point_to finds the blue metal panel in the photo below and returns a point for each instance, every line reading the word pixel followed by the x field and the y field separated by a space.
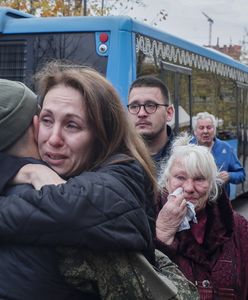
pixel 7 14
pixel 66 24
pixel 181 43
pixel 119 69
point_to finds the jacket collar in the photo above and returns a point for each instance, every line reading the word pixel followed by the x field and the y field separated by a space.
pixel 218 230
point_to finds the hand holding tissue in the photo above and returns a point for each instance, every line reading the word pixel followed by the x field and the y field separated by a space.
pixel 190 215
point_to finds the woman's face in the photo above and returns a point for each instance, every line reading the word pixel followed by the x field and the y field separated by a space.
pixel 65 138
pixel 195 189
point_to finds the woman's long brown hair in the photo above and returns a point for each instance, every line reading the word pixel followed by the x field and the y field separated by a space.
pixel 106 115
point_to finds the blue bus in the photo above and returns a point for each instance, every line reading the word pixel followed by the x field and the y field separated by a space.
pixel 122 49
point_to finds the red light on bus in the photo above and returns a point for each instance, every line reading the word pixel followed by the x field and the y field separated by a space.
pixel 103 37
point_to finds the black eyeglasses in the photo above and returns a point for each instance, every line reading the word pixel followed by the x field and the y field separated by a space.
pixel 149 107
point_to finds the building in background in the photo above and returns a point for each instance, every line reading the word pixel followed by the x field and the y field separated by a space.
pixel 238 52
pixel 232 50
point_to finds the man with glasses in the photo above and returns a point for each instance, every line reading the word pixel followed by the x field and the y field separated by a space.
pixel 149 110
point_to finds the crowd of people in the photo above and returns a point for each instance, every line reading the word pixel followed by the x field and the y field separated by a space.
pixel 102 203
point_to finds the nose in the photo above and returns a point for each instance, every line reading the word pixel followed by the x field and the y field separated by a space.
pixel 205 129
pixel 142 112
pixel 188 186
pixel 56 136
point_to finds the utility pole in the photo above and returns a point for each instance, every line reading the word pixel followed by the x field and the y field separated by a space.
pixel 85 7
pixel 211 21
pixel 102 9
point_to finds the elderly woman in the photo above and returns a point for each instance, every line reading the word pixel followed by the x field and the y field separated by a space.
pixel 210 246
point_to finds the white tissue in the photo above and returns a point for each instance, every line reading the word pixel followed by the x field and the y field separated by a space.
pixel 190 216
pixel 177 192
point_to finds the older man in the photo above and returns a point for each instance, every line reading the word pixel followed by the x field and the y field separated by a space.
pixel 204 126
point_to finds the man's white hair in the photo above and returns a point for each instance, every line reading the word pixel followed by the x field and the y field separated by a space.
pixel 202 116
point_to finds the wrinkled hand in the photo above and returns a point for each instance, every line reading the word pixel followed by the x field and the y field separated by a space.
pixel 170 217
pixel 224 176
pixel 37 175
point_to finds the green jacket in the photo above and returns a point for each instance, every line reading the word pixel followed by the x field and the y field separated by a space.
pixel 122 276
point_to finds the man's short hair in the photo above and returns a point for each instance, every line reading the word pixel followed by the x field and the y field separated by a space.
pixel 152 81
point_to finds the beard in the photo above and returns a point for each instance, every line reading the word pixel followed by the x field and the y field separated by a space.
pixel 149 137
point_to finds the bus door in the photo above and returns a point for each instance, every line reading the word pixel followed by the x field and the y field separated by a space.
pixel 178 81
pixel 242 129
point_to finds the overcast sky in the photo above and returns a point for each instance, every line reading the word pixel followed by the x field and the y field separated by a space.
pixel 185 19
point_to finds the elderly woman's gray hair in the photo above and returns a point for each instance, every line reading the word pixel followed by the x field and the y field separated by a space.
pixel 197 160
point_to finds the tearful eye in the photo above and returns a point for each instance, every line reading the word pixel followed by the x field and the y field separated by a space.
pixel 180 178
pixel 72 125
pixel 45 120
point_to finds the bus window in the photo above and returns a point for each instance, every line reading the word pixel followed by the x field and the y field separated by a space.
pixel 24 55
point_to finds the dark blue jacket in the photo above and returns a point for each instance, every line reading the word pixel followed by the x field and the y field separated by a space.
pixel 163 153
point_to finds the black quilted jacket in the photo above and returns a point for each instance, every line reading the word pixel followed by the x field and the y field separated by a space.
pixel 108 209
